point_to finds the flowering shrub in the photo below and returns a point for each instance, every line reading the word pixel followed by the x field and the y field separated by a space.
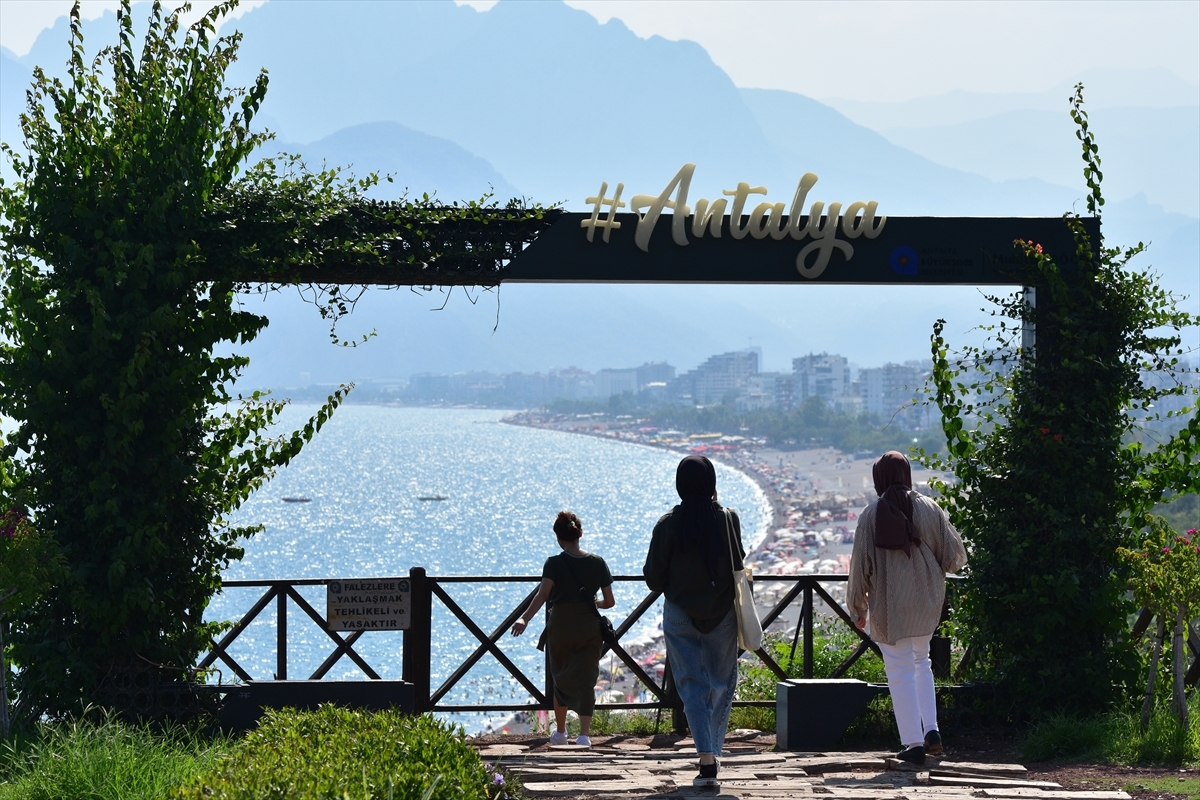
pixel 1165 578
pixel 1165 570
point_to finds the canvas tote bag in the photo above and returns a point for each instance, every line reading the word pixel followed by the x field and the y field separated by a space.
pixel 750 632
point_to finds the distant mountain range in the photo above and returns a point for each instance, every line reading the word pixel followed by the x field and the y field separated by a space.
pixel 539 100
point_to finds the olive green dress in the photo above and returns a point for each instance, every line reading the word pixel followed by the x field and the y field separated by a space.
pixel 573 631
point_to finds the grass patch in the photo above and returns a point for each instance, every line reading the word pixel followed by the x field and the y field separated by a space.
pixel 758 719
pixel 350 755
pixel 1116 737
pixel 105 760
pixel 1188 786
pixel 633 723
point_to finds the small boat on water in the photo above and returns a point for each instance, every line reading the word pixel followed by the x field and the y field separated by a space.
pixel 296 500
pixel 433 498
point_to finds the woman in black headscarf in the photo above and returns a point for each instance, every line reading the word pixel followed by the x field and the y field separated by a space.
pixel 689 562
pixel 903 548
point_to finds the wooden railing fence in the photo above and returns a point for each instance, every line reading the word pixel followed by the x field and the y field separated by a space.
pixel 418 655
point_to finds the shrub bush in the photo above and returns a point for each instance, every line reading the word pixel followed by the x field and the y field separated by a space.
pixel 355 755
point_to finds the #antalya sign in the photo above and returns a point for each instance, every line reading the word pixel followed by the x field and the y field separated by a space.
pixel 766 220
pixel 743 237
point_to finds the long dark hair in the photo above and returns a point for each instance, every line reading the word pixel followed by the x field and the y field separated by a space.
pixel 698 524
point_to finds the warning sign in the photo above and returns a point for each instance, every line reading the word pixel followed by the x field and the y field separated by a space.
pixel 368 604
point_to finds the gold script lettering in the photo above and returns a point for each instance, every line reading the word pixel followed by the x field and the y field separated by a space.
pixel 654 207
pixel 859 219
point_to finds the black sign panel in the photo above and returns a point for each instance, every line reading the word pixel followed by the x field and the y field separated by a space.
pixel 976 251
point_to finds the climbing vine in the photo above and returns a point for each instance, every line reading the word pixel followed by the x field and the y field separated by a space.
pixel 1048 482
pixel 125 238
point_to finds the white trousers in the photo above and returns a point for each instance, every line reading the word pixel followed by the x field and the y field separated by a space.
pixel 910 680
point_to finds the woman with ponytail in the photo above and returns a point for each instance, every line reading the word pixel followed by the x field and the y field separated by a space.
pixel 570 581
pixel 690 563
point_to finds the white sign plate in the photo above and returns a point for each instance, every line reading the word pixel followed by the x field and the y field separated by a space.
pixel 368 604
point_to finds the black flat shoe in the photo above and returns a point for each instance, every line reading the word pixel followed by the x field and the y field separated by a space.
pixel 913 755
pixel 933 743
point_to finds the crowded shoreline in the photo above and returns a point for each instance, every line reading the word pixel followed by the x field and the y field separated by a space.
pixel 815 496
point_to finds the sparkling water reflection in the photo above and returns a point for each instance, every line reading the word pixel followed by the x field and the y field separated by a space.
pixel 364 475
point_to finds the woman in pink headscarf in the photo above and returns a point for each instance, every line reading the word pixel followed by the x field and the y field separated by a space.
pixel 903 548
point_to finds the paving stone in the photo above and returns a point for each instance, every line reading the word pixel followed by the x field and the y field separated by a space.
pixel 563 773
pixel 1020 794
pixel 990 783
pixel 816 765
pixel 860 778
pixel 570 788
pixel 502 750
pixel 858 792
pixel 737 786
pixel 1014 770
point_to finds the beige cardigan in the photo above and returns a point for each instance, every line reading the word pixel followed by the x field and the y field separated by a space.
pixel 904 594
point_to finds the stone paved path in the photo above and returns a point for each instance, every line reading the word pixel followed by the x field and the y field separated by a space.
pixel 628 771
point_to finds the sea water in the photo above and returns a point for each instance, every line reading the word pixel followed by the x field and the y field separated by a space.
pixel 364 475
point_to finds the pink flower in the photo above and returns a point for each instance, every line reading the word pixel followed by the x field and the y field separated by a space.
pixel 1166 549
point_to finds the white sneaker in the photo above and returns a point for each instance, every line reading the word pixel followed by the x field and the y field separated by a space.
pixel 583 741
pixel 558 737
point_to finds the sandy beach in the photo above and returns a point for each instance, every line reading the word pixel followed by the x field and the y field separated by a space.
pixel 815 495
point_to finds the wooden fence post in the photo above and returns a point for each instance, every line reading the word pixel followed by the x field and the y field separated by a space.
pixel 678 717
pixel 281 636
pixel 418 640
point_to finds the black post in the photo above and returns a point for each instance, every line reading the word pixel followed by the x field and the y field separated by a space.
pixel 807 613
pixel 281 635
pixel 678 717
pixel 546 657
pixel 418 640
pixel 939 646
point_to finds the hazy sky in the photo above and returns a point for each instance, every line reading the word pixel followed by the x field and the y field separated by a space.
pixel 862 50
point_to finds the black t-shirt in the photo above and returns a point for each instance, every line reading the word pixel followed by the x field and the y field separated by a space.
pixel 570 572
